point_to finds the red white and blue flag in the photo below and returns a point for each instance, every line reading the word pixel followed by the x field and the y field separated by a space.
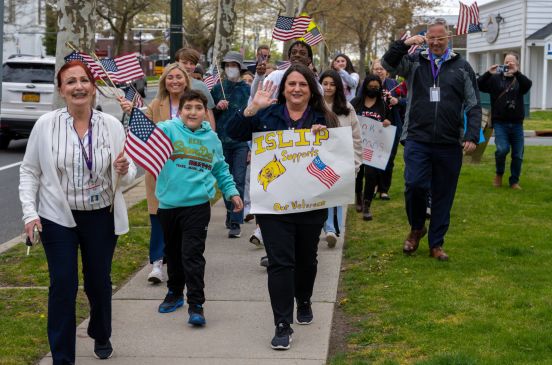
pixel 313 37
pixel 134 96
pixel 124 68
pixel 146 144
pixel 287 28
pixel 96 69
pixel 468 19
pixel 284 65
pixel 212 79
pixel 322 172
pixel 367 154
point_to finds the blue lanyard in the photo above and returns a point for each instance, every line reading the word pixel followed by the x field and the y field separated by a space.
pixel 171 109
pixel 435 69
pixel 300 121
pixel 88 158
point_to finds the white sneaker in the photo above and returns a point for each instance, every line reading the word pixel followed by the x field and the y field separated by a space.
pixel 331 238
pixel 156 275
pixel 256 238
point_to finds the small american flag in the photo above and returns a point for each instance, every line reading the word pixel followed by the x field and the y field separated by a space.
pixel 134 96
pixel 367 154
pixel 212 79
pixel 146 144
pixel 96 69
pixel 313 37
pixel 322 172
pixel 413 47
pixel 287 28
pixel 468 19
pixel 124 68
pixel 284 65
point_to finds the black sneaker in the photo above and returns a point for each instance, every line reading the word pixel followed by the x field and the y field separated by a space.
pixel 304 313
pixel 103 351
pixel 282 337
pixel 227 222
pixel 171 303
pixel 196 315
pixel 264 261
pixel 234 231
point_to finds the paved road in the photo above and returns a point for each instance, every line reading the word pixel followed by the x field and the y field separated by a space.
pixel 10 159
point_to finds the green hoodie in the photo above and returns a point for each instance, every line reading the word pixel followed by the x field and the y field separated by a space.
pixel 188 176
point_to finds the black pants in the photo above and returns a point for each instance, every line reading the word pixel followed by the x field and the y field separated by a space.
pixel 185 232
pixel 292 250
pixel 431 170
pixel 385 178
pixel 371 176
pixel 94 234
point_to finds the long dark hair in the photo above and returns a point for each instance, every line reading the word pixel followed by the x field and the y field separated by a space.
pixel 358 102
pixel 339 105
pixel 316 101
pixel 348 66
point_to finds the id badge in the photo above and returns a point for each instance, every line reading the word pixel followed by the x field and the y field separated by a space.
pixel 434 94
pixel 94 192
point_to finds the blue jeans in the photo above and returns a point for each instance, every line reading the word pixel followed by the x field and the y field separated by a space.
pixel 329 224
pixel 236 158
pixel 506 135
pixel 157 243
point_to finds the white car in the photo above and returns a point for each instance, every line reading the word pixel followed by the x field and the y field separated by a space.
pixel 27 93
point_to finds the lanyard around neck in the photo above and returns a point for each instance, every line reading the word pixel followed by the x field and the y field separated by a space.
pixel 436 68
pixel 88 158
pixel 299 122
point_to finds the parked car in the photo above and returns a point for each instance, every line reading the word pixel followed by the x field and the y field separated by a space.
pixel 27 93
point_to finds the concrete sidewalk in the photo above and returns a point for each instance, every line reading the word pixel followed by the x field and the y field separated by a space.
pixel 239 318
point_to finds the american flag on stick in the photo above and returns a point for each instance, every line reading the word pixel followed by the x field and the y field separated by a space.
pixel 132 95
pixel 287 28
pixel 468 19
pixel 124 68
pixel 212 79
pixel 284 65
pixel 146 144
pixel 413 47
pixel 313 37
pixel 322 172
pixel 96 69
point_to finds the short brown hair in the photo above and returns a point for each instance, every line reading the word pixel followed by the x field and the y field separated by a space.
pixel 192 95
pixel 188 54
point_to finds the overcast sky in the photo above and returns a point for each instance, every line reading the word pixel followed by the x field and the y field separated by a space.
pixel 451 6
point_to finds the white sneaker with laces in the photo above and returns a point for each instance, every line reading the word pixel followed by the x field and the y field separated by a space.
pixel 156 275
pixel 256 238
pixel 331 238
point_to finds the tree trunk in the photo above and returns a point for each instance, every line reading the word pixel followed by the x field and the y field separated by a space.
pixel 119 41
pixel 362 44
pixel 226 20
pixel 75 23
pixel 290 11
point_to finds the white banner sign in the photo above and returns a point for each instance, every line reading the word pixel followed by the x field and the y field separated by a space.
pixel 377 142
pixel 296 171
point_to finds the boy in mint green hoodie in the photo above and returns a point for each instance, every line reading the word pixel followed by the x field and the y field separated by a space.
pixel 184 187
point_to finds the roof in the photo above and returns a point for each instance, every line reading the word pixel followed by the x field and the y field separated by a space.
pixel 542 33
pixel 30 59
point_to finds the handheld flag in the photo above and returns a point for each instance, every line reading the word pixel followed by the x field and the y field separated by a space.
pixel 96 69
pixel 313 37
pixel 132 95
pixel 124 68
pixel 212 79
pixel 468 19
pixel 284 65
pixel 146 144
pixel 287 28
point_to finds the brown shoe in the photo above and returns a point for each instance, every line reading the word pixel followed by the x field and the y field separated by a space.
pixel 413 240
pixel 358 204
pixel 515 186
pixel 497 181
pixel 438 253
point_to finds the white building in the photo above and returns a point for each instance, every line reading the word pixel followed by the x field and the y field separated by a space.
pixel 24 27
pixel 522 26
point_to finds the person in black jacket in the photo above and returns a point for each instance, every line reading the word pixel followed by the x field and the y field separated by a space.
pixel 441 87
pixel 507 112
pixel 291 240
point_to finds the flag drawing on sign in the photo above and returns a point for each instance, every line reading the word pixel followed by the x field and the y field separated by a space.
pixel 270 172
pixel 92 65
pixel 146 144
pixel 284 65
pixel 323 172
pixel 468 19
pixel 287 28
pixel 212 79
pixel 313 37
pixel 124 68
pixel 132 95
pixel 367 154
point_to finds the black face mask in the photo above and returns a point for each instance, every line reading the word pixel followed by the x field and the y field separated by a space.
pixel 373 93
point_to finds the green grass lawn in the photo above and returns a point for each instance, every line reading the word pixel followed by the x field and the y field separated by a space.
pixel 490 304
pixel 540 120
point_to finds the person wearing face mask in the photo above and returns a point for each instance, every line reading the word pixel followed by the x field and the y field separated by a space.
pixel 371 104
pixel 230 96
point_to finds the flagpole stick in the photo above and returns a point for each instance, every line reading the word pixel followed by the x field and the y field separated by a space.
pixel 220 78
pixel 96 58
pixel 118 175
pixel 272 38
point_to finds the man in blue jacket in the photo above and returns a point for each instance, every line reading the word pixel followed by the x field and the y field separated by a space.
pixel 441 86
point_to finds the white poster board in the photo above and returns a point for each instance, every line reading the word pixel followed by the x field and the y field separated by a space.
pixel 377 142
pixel 295 171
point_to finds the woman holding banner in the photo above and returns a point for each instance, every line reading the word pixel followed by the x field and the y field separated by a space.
pixel 335 100
pixel 172 84
pixel 371 104
pixel 291 240
pixel 68 192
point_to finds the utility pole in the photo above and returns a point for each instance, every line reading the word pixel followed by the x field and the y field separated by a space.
pixel 1 45
pixel 176 28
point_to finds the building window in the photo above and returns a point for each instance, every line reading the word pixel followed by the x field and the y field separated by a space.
pixel 9 11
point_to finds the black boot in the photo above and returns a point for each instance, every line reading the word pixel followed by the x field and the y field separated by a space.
pixel 366 215
pixel 358 204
